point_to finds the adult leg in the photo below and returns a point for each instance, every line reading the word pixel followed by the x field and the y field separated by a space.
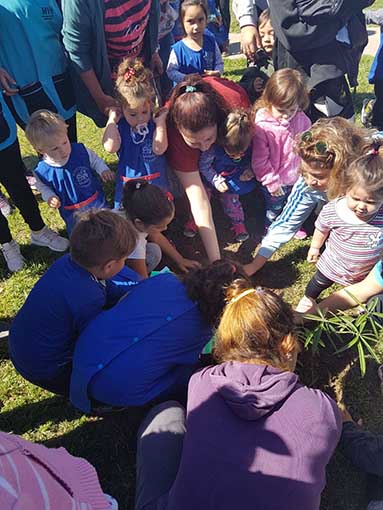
pixel 159 450
pixel 72 129
pixel 12 177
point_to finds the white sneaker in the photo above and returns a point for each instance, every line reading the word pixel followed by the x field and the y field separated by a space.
pixel 50 239
pixel 5 206
pixel 12 255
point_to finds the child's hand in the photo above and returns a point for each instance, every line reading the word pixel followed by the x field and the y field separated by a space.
pixel 107 176
pixel 277 193
pixel 211 73
pixel 54 202
pixel 247 175
pixel 160 117
pixel 115 115
pixel 186 264
pixel 258 84
pixel 313 255
pixel 220 183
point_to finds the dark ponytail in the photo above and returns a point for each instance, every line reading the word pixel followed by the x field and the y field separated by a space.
pixel 146 202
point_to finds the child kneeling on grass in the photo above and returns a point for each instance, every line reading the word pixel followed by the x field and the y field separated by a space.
pixel 66 177
pixel 68 296
pixel 151 209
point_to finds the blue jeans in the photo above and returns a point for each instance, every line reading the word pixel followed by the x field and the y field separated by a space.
pixel 274 205
pixel 164 52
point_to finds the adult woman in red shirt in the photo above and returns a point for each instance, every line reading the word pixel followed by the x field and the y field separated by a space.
pixel 197 110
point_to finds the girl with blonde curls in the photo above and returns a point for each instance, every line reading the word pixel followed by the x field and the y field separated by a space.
pixel 138 137
pixel 250 422
pixel 325 151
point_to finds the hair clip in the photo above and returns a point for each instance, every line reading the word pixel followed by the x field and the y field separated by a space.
pixel 321 146
pixel 242 295
pixel 129 73
pixel 190 88
pixel 138 185
pixel 169 196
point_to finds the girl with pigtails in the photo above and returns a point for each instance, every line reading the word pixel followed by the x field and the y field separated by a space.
pixel 138 137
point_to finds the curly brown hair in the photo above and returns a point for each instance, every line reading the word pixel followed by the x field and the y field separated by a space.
pixel 207 286
pixel 343 141
pixel 134 83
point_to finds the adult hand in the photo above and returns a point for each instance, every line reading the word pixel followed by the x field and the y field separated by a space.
pixel 8 83
pixel 105 103
pixel 156 65
pixel 54 202
pixel 250 41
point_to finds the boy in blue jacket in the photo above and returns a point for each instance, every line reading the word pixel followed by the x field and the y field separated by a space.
pixel 68 296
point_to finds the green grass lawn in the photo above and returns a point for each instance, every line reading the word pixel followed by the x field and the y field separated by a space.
pixel 110 443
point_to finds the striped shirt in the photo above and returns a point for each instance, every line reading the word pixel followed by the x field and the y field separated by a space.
pixel 125 23
pixel 352 249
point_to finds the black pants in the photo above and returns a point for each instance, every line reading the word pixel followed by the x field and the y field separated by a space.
pixel 224 7
pixel 377 111
pixel 317 284
pixel 12 177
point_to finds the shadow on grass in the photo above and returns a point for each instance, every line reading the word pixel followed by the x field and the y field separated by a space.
pixel 30 416
pixel 279 274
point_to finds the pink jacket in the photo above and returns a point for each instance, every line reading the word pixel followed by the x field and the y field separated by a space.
pixel 33 477
pixel 274 162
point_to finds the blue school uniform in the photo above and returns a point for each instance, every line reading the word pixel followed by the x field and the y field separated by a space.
pixel 232 170
pixel 137 159
pixel 141 348
pixel 191 61
pixel 76 184
pixel 61 304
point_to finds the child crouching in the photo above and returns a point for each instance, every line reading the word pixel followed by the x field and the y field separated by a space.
pixel 67 297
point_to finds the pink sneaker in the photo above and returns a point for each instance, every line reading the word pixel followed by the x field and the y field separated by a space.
pixel 190 229
pixel 301 234
pixel 240 232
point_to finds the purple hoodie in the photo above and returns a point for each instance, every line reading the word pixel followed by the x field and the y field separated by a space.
pixel 256 439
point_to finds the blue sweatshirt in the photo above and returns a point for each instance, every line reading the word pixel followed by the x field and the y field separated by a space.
pixel 300 204
pixel 65 299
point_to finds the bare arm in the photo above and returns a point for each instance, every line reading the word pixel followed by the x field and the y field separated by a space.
pixel 103 101
pixel 350 296
pixel 112 139
pixel 201 211
pixel 160 138
pixel 139 266
pixel 317 242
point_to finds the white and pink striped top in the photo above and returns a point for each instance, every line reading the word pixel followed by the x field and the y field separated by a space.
pixel 352 248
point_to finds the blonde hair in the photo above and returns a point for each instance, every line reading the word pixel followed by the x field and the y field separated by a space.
pixel 284 89
pixel 43 124
pixel 264 17
pixel 238 131
pixel 343 142
pixel 256 325
pixel 134 83
pixel 365 172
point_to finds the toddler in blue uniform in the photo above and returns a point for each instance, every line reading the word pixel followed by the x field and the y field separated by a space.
pixel 67 175
pixel 139 139
pixel 69 295
pixel 227 169
pixel 198 51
